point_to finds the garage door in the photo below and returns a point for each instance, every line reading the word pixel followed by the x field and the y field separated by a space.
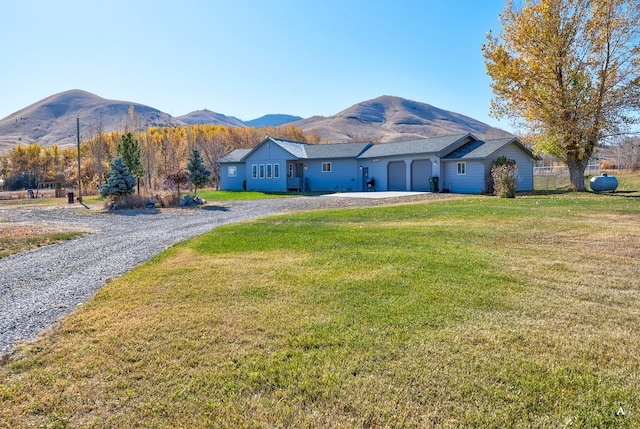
pixel 420 173
pixel 397 177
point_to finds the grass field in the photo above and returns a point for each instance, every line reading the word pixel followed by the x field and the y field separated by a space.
pixel 466 312
pixel 15 238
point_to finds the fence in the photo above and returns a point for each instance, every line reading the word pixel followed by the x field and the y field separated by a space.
pixel 552 178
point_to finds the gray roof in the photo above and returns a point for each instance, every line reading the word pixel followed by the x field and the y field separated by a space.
pixel 484 149
pixel 234 156
pixel 296 149
pixel 336 150
pixel 433 145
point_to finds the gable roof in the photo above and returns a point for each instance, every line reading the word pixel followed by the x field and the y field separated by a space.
pixel 435 146
pixel 234 156
pixel 296 149
pixel 484 149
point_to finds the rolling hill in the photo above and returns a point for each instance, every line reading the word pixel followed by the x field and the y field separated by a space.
pixel 384 119
pixel 208 117
pixel 388 119
pixel 53 119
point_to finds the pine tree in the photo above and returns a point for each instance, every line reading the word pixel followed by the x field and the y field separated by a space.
pixel 120 181
pixel 129 150
pixel 196 171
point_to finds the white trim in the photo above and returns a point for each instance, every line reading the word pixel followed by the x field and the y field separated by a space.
pixel 462 168
pixel 254 171
pixel 276 171
pixel 232 171
pixel 326 167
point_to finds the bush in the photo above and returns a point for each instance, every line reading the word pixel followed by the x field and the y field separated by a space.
pixel 505 177
pixel 123 202
pixel 169 199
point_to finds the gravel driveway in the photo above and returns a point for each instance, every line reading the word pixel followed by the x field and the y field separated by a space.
pixel 39 286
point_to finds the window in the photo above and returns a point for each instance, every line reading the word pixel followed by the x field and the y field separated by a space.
pixel 290 173
pixel 269 171
pixel 232 171
pixel 254 171
pixel 262 171
pixel 462 168
pixel 326 167
pixel 276 171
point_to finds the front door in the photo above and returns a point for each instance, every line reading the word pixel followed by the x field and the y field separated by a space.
pixel 365 177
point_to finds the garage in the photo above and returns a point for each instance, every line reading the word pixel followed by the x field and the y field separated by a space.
pixel 396 176
pixel 420 173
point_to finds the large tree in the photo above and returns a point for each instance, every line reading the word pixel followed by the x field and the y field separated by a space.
pixel 567 71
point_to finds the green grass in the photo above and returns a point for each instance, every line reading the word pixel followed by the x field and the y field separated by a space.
pixel 237 195
pixel 468 312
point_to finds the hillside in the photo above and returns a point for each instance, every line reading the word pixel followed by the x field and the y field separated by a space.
pixel 388 119
pixel 208 117
pixel 53 119
pixel 272 120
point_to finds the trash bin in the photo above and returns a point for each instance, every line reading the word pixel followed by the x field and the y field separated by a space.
pixel 70 197
pixel 431 187
pixel 435 184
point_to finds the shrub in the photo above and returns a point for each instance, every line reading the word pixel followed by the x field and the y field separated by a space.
pixel 505 177
pixel 168 199
pixel 123 202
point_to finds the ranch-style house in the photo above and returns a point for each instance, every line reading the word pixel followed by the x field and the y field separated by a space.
pixel 455 163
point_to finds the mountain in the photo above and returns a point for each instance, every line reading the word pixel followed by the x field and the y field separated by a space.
pixel 388 119
pixel 384 119
pixel 53 119
pixel 208 117
pixel 272 120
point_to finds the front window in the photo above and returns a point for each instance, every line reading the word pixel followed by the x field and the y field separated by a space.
pixel 326 167
pixel 254 171
pixel 276 171
pixel 232 171
pixel 269 171
pixel 262 171
pixel 290 173
pixel 462 168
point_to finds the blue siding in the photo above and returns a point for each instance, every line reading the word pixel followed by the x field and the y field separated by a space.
pixel 524 162
pixel 232 183
pixel 470 183
pixel 341 178
pixel 268 154
pixel 377 171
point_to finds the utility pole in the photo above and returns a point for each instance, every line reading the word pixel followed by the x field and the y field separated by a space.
pixel 79 178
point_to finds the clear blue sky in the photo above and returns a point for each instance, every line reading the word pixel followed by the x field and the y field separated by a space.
pixel 248 58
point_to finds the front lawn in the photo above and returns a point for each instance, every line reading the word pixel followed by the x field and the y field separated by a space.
pixel 467 312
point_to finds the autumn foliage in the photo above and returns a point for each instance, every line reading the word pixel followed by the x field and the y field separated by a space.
pixel 163 151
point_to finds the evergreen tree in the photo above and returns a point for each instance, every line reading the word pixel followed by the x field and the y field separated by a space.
pixel 120 181
pixel 196 171
pixel 129 150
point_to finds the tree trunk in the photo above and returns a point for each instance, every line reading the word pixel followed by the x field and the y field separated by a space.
pixel 576 175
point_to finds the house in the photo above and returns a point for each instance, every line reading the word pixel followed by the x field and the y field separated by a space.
pixel 456 163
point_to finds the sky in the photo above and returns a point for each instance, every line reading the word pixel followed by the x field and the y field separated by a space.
pixel 248 58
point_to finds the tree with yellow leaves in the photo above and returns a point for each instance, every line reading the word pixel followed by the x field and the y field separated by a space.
pixel 567 71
